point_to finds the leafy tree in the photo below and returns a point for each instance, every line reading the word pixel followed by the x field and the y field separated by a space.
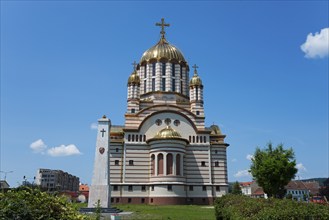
pixel 273 169
pixel 236 189
pixel 29 204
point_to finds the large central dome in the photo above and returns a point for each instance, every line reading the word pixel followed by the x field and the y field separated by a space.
pixel 163 50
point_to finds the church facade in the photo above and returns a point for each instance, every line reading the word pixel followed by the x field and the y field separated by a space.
pixel 163 154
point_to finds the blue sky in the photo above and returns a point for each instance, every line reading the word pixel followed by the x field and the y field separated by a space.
pixel 64 64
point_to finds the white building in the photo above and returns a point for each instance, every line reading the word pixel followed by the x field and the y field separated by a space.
pixel 56 180
pixel 163 154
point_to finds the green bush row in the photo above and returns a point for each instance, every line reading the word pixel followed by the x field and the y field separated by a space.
pixel 242 207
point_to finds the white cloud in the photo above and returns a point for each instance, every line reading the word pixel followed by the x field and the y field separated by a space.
pixel 63 150
pixel 93 126
pixel 38 146
pixel 242 173
pixel 234 160
pixel 249 157
pixel 300 167
pixel 317 45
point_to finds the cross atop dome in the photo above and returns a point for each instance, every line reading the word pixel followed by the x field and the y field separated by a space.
pixel 195 67
pixel 135 65
pixel 162 24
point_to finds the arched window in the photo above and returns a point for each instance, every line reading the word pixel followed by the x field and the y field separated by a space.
pixel 160 164
pixel 133 138
pixel 128 137
pixel 152 164
pixel 137 138
pixel 178 164
pixel 169 164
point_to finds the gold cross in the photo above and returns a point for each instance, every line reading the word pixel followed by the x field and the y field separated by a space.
pixel 134 64
pixel 162 24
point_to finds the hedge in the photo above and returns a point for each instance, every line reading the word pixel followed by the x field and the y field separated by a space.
pixel 243 207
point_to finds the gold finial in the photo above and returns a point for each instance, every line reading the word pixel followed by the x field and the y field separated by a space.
pixel 135 65
pixel 195 71
pixel 162 24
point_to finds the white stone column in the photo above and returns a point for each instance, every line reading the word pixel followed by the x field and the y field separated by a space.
pixel 174 164
pixel 100 184
pixel 156 173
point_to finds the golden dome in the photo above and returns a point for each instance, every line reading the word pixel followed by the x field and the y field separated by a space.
pixel 134 79
pixel 166 133
pixel 195 80
pixel 215 130
pixel 163 50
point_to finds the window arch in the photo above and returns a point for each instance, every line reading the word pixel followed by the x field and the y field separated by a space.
pixel 169 164
pixel 152 164
pixel 178 164
pixel 160 164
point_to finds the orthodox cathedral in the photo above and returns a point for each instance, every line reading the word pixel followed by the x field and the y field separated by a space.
pixel 163 154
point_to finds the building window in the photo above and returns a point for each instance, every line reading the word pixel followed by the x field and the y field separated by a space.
pixel 143 200
pixel 163 84
pixel 216 164
pixel 152 188
pixel 181 72
pixel 112 200
pixel 201 139
pixel 160 164
pixel 189 138
pixel 205 139
pixel 177 122
pixel 190 188
pixel 129 200
pixel 153 84
pixel 153 69
pixel 128 137
pixel 158 122
pixel 181 86
pixel 144 138
pixel 193 139
pixel 203 163
pixel 132 110
pixel 173 86
pixel 204 188
pixel 145 86
pixel 217 188
pixel 169 164
pixel 152 164
pixel 197 112
pixel 117 200
pixel 197 139
pixel 173 70
pixel 140 137
pixel 115 188
pixel 117 150
pixel 163 69
pixel 178 164
pixel 116 162
pixel 130 188
pixel 216 151
pixel 151 200
pixel 131 162
pixel 132 138
pixel 169 187
pixel 143 188
pixel 145 71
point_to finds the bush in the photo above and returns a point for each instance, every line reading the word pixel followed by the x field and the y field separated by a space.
pixel 243 207
pixel 26 203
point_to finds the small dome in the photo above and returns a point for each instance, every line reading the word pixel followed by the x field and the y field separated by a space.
pixel 167 132
pixel 195 80
pixel 134 79
pixel 215 130
pixel 163 50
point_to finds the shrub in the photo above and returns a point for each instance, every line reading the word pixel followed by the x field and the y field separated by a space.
pixel 26 203
pixel 242 207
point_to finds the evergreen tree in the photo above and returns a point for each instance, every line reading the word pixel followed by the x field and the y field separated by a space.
pixel 236 189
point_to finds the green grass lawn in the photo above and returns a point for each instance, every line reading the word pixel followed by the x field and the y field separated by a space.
pixel 167 212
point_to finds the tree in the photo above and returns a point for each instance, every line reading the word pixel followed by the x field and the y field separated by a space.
pixel 236 189
pixel 29 204
pixel 273 169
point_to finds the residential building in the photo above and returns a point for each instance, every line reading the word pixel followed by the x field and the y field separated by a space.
pixel 56 180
